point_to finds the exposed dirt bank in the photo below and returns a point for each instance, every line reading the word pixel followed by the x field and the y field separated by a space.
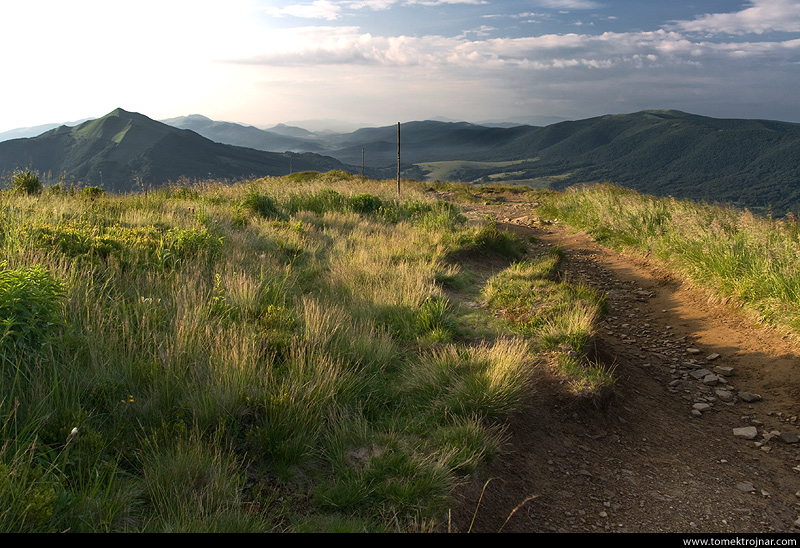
pixel 664 453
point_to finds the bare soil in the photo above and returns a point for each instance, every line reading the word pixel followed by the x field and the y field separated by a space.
pixel 659 454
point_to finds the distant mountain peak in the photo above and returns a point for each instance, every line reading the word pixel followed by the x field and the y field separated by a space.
pixel 121 149
pixel 198 117
pixel 118 112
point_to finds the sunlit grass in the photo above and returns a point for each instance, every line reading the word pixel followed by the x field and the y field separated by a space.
pixel 215 348
pixel 738 257
pixel 554 315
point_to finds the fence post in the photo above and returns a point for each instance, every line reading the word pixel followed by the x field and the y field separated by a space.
pixel 398 159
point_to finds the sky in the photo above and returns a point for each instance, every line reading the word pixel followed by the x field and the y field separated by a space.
pixel 378 62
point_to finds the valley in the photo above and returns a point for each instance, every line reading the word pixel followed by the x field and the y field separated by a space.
pixel 751 164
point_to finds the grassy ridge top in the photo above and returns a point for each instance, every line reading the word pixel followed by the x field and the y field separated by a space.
pixel 738 257
pixel 289 354
pixel 304 353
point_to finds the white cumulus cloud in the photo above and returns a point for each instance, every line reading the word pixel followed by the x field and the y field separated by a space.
pixel 762 16
pixel 319 9
pixel 569 4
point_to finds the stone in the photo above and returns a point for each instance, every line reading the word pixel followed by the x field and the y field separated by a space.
pixel 711 380
pixel 700 373
pixel 749 397
pixel 745 486
pixel 746 432
pixel 693 350
pixel 724 395
pixel 789 437
pixel 712 357
pixel 723 370
pixel 768 436
pixel 700 406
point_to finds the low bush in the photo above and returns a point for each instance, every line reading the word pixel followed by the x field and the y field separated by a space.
pixel 31 308
pixel 26 182
pixel 130 245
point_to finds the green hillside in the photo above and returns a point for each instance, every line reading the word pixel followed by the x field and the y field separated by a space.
pixel 749 163
pixel 245 136
pixel 125 151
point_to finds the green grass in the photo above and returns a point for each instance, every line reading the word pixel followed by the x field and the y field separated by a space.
pixel 287 354
pixel 217 349
pixel 556 316
pixel 738 257
pixel 451 170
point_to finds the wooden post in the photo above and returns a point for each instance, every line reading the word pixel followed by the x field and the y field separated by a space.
pixel 398 158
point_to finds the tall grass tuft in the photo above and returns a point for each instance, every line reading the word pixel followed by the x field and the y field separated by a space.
pixel 274 355
pixel 737 256
pixel 485 381
pixel 557 316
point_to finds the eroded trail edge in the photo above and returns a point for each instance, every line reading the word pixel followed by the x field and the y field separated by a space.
pixel 700 435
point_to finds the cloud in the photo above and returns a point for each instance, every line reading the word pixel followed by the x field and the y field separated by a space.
pixel 447 2
pixel 762 16
pixel 343 45
pixel 563 73
pixel 376 5
pixel 569 4
pixel 318 9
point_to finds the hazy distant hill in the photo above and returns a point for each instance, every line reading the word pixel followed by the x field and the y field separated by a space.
pixel 25 132
pixel 123 148
pixel 423 141
pixel 248 136
pixel 293 131
pixel 751 163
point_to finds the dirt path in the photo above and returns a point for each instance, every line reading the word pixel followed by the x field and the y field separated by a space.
pixel 661 455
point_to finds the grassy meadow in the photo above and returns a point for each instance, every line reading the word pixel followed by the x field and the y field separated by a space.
pixel 294 354
pixel 748 261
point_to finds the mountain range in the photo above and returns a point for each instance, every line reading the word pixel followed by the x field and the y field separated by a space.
pixel 749 163
pixel 124 151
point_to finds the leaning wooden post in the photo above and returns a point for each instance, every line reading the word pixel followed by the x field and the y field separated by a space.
pixel 398 159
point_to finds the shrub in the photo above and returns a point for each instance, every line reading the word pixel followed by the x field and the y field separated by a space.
pixel 26 182
pixel 262 205
pixel 131 245
pixel 30 307
pixel 493 239
pixel 365 203
pixel 490 240
pixel 320 202
pixel 56 189
pixel 93 192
